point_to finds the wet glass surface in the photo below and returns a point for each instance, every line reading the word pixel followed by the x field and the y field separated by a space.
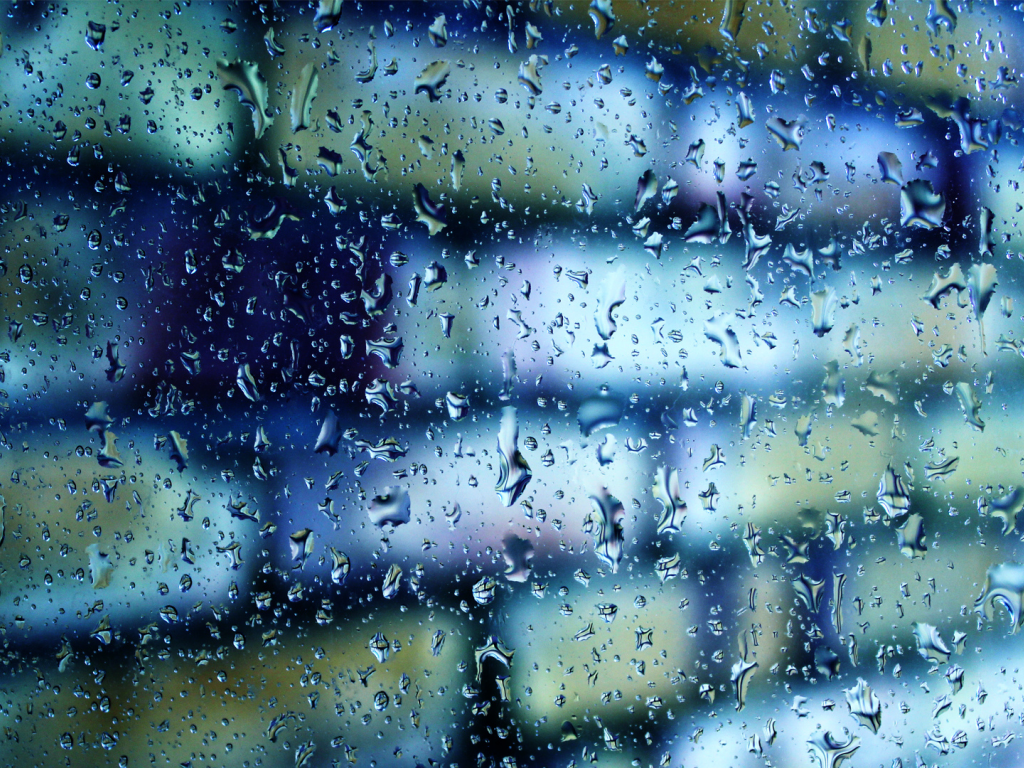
pixel 511 384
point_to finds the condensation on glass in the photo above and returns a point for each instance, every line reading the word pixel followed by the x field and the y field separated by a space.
pixel 511 384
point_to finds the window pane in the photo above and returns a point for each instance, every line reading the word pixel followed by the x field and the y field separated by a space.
pixel 510 384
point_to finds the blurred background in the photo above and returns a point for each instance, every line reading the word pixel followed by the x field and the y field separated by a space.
pixel 535 383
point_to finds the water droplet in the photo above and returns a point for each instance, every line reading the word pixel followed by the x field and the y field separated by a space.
pixel 244 78
pixel 513 472
pixel 432 79
pixel 393 507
